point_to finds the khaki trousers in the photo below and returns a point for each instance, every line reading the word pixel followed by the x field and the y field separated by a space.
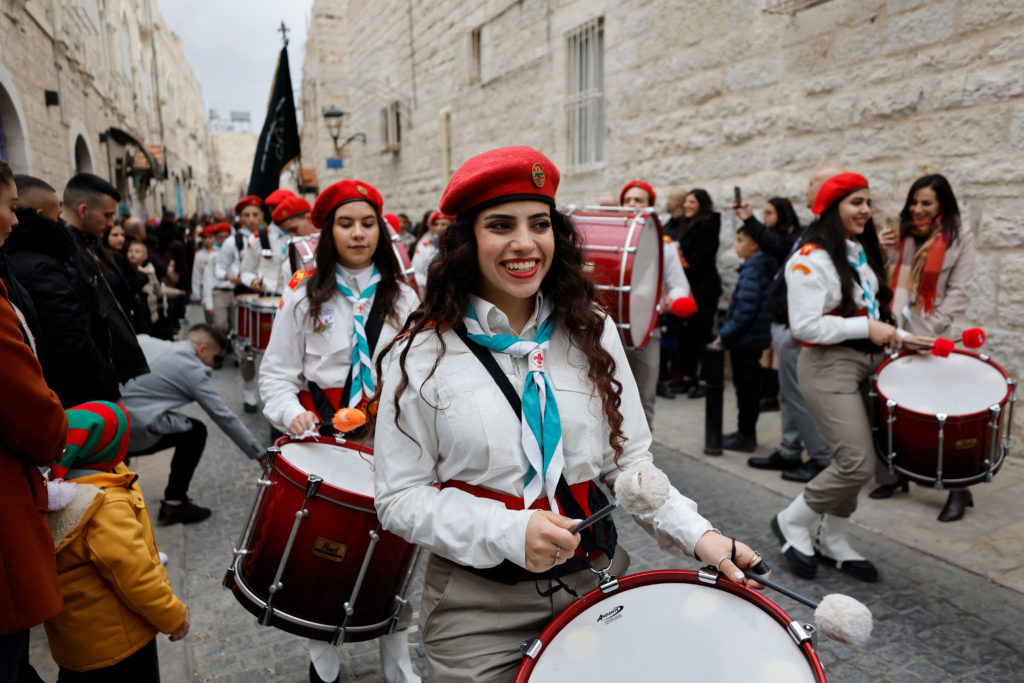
pixel 645 364
pixel 831 378
pixel 223 305
pixel 472 626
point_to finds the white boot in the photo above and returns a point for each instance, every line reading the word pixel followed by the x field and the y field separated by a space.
pixel 835 550
pixel 793 526
pixel 325 659
pixel 395 658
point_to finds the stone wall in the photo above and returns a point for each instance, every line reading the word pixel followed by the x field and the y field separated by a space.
pixel 109 61
pixel 708 93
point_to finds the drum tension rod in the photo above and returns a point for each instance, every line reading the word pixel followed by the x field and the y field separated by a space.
pixel 993 424
pixel 890 456
pixel 941 419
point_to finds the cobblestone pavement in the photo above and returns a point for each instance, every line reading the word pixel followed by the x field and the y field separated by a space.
pixel 933 621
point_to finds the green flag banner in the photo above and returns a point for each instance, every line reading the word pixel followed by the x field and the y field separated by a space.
pixel 279 141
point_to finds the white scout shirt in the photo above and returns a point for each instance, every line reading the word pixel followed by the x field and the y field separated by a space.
pixel 204 261
pixel 255 265
pixel 302 349
pixel 673 278
pixel 424 253
pixel 461 428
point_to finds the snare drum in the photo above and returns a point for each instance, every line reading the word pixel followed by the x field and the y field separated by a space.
pixel 403 258
pixel 242 302
pixel 312 548
pixel 671 625
pixel 262 311
pixel 623 258
pixel 939 421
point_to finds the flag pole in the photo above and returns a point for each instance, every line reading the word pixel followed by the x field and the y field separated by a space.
pixel 283 30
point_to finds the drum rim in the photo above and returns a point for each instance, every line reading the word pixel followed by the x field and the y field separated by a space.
pixel 656 576
pixel 951 417
pixel 338 495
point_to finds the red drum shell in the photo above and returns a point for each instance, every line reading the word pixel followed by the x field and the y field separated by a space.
pixel 242 302
pixel 967 437
pixel 623 259
pixel 262 312
pixel 603 637
pixel 315 584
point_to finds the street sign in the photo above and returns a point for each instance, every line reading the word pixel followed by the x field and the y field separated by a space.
pixel 335 162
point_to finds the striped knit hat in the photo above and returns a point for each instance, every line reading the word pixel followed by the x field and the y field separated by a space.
pixel 97 438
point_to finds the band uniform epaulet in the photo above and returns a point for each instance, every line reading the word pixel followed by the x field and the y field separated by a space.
pixel 299 276
pixel 808 248
pixel 666 239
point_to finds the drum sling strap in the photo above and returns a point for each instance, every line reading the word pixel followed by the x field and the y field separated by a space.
pixel 600 537
pixel 265 249
pixel 324 408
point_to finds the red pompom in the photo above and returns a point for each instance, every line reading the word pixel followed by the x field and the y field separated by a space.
pixel 684 306
pixel 973 338
pixel 942 347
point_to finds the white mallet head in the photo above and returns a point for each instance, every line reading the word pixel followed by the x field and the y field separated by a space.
pixel 641 489
pixel 842 618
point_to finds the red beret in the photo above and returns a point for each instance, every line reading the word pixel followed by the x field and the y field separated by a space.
pixel 223 226
pixel 437 214
pixel 343 192
pixel 637 183
pixel 835 188
pixel 209 230
pixel 393 221
pixel 251 200
pixel 277 196
pixel 151 222
pixel 289 207
pixel 501 175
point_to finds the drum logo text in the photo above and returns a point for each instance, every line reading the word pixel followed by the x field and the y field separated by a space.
pixel 966 443
pixel 610 616
pixel 329 550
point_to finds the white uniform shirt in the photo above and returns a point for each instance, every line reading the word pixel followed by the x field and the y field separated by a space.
pixel 425 252
pixel 203 274
pixel 255 265
pixel 673 278
pixel 465 430
pixel 302 349
pixel 229 260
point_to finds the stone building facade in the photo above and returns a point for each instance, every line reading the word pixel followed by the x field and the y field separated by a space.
pixel 231 155
pixel 103 86
pixel 697 93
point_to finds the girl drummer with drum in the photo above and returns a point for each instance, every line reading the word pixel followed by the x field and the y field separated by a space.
pixel 331 323
pixel 839 307
pixel 506 396
pixel 930 273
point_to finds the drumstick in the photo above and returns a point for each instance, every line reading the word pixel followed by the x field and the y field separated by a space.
pixel 973 338
pixel 839 616
pixel 594 518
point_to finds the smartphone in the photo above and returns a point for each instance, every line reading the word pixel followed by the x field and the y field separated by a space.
pixel 737 196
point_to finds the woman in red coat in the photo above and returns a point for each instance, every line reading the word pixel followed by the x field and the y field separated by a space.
pixel 32 432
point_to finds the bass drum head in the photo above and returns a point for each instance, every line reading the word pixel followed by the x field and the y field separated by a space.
pixel 644 284
pixel 672 631
pixel 340 466
pixel 961 384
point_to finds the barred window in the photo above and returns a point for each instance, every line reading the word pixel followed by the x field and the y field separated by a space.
pixel 789 6
pixel 391 127
pixel 585 100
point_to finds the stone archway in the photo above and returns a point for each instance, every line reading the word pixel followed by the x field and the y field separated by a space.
pixel 83 157
pixel 14 147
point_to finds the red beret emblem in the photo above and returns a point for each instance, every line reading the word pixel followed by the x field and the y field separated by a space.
pixel 361 190
pixel 538 175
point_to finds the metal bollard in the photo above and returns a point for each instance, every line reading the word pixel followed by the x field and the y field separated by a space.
pixel 713 370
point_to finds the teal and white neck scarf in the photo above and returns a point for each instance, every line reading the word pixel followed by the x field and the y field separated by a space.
pixel 542 426
pixel 362 363
pixel 859 262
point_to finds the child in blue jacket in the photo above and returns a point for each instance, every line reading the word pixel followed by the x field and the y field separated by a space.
pixel 746 333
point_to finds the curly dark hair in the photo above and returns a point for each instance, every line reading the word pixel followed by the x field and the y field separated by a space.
pixel 321 286
pixel 454 272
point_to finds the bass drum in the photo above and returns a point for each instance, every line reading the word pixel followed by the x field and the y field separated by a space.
pixel 622 248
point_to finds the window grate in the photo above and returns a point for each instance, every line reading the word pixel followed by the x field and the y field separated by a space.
pixel 584 104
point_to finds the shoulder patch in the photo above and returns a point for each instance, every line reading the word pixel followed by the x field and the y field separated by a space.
pixel 808 248
pixel 800 268
pixel 666 239
pixel 299 277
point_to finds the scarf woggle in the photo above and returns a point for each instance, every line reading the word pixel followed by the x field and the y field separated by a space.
pixel 362 379
pixel 542 426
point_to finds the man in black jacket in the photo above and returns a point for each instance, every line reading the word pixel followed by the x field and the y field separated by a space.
pixel 90 344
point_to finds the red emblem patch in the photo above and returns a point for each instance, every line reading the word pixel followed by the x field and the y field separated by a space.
pixel 537 174
pixel 537 360
pixel 361 190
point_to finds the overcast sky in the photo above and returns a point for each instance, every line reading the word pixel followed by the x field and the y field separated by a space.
pixel 232 47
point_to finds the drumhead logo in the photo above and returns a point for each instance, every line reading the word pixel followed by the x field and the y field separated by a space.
pixel 612 615
pixel 537 173
pixel 329 550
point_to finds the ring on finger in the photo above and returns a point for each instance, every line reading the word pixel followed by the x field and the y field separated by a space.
pixel 723 558
pixel 558 551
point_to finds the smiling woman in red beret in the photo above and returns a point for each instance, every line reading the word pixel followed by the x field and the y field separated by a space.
pixel 839 307
pixel 507 395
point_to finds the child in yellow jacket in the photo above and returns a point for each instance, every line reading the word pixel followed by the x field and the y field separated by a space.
pixel 116 593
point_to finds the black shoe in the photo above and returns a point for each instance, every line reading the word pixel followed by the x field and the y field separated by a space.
pixel 250 408
pixel 804 566
pixel 746 443
pixel 699 391
pixel 185 513
pixel 769 405
pixel 886 490
pixel 775 461
pixel 809 470
pixel 664 391
pixel 956 505
pixel 862 570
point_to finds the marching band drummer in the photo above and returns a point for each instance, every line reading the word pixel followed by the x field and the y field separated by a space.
pixel 646 362
pixel 469 477
pixel 331 322
pixel 839 307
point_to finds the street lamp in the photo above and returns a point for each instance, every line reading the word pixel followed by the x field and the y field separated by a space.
pixel 333 117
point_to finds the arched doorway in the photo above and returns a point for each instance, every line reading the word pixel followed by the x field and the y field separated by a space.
pixel 13 145
pixel 83 157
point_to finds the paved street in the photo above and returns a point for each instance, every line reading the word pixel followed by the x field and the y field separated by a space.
pixel 934 621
